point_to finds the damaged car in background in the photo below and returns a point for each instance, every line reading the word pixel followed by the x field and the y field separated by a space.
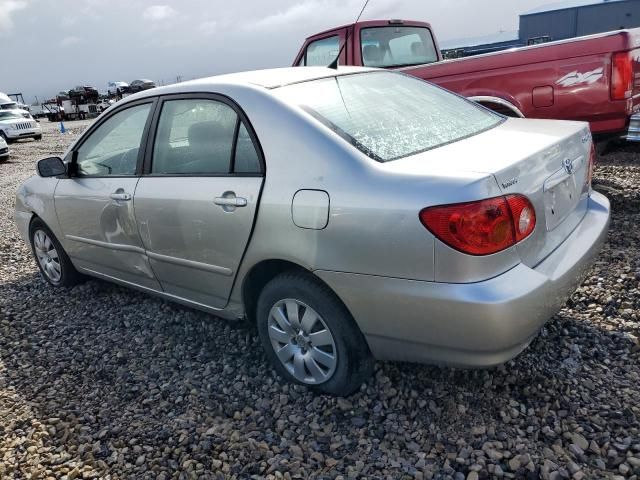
pixel 354 214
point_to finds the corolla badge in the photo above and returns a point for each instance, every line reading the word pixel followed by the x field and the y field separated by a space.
pixel 509 183
pixel 568 166
pixel 577 78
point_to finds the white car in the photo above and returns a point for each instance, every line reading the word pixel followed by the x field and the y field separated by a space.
pixel 104 104
pixel 4 150
pixel 14 125
pixel 117 88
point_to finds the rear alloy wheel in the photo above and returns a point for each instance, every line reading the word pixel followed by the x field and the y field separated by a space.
pixel 310 337
pixel 302 341
pixel 53 262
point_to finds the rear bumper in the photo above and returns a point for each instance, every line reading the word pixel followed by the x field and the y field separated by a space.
pixel 475 324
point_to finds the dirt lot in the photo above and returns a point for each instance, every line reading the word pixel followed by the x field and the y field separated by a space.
pixel 102 382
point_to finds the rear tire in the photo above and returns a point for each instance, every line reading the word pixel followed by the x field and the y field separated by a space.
pixel 53 262
pixel 310 337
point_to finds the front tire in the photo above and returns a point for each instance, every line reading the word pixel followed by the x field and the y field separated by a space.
pixel 4 136
pixel 38 137
pixel 52 260
pixel 310 337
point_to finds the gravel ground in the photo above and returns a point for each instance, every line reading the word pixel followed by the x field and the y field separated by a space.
pixel 102 382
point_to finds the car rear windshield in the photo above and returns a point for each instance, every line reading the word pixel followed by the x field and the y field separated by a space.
pixel 389 115
pixel 397 46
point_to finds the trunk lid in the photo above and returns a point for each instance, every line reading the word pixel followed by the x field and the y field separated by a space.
pixel 547 161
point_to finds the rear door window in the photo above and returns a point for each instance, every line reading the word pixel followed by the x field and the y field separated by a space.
pixel 194 137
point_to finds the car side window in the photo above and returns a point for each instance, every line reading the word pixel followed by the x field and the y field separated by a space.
pixel 194 137
pixel 246 160
pixel 112 149
pixel 322 52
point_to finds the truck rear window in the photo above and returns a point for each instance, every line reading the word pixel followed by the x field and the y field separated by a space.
pixel 396 46
pixel 389 115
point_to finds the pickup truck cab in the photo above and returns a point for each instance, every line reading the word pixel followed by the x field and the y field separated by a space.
pixel 594 78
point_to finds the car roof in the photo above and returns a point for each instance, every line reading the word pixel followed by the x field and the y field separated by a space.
pixel 269 78
pixel 279 77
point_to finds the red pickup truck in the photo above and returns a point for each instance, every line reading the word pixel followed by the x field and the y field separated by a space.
pixel 594 78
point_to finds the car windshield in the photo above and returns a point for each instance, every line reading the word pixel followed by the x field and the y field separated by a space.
pixel 9 115
pixel 395 46
pixel 389 115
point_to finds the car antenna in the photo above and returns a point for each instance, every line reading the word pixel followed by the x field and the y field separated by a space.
pixel 334 64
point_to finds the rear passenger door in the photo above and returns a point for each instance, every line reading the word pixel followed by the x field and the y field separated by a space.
pixel 195 205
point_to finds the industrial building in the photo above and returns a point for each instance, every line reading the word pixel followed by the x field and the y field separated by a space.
pixel 557 21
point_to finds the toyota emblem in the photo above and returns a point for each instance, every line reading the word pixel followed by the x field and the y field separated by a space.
pixel 567 164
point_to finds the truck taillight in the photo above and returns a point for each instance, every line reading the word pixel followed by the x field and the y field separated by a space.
pixel 621 76
pixel 483 227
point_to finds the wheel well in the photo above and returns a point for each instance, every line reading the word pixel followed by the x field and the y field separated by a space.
pixel 501 109
pixel 259 276
pixel 499 105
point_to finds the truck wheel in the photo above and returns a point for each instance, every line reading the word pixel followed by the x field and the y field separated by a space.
pixel 38 137
pixel 52 260
pixel 602 147
pixel 309 336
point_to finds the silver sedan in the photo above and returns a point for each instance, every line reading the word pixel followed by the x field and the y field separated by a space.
pixel 352 214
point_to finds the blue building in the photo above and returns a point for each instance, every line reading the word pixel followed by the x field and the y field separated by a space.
pixel 556 21
pixel 575 18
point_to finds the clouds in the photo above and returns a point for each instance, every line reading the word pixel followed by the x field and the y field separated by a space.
pixel 71 40
pixel 314 11
pixel 87 42
pixel 158 13
pixel 7 7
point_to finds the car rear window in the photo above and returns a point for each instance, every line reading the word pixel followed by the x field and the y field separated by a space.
pixel 389 115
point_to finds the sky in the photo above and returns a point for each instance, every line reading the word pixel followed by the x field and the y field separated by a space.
pixel 53 45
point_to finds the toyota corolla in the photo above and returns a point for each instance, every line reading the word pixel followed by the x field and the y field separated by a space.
pixel 353 214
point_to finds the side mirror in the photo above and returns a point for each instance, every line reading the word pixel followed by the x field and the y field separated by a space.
pixel 51 167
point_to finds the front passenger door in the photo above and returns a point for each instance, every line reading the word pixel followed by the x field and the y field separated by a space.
pixel 196 203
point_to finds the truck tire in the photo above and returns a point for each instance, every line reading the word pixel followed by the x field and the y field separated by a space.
pixel 310 337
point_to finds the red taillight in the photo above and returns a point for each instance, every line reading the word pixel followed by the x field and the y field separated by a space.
pixel 482 227
pixel 621 76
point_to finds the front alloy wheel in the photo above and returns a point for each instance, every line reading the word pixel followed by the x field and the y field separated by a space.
pixel 52 260
pixel 47 256
pixel 302 342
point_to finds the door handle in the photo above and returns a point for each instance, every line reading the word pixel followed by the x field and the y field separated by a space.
pixel 121 196
pixel 230 201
